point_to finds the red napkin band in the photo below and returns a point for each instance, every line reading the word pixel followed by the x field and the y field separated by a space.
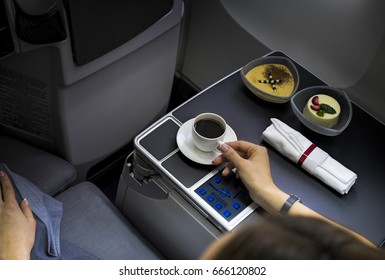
pixel 306 154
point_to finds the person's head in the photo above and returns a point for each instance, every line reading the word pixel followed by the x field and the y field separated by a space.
pixel 290 238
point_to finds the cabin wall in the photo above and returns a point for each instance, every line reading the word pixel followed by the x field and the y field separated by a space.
pixel 213 44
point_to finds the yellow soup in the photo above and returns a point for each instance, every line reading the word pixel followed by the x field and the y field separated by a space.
pixel 275 79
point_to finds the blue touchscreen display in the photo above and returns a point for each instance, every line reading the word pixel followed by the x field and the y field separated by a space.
pixel 226 195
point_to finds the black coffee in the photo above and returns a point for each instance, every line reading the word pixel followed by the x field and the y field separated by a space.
pixel 209 128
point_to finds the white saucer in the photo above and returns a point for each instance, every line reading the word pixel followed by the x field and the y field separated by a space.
pixel 187 147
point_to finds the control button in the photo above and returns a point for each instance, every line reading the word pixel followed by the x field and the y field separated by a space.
pixel 218 206
pixel 227 213
pixel 202 192
pixel 225 192
pixel 236 205
pixel 210 199
pixel 217 180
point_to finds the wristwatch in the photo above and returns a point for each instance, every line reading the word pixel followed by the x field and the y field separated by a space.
pixel 289 203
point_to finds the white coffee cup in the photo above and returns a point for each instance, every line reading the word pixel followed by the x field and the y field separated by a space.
pixel 208 131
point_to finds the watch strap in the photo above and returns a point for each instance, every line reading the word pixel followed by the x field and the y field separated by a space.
pixel 289 203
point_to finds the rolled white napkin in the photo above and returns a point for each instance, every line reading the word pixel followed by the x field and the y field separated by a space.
pixel 314 160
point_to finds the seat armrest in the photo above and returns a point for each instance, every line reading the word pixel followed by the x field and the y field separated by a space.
pixel 50 173
pixel 92 222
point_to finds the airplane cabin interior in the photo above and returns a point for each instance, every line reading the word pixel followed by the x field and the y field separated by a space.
pixel 95 98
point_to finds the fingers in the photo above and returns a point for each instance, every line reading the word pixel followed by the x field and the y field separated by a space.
pixel 27 211
pixel 229 153
pixel 228 169
pixel 245 149
pixel 7 192
pixel 237 151
pixel 1 188
pixel 220 159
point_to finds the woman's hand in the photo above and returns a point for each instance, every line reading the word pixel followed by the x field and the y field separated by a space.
pixel 253 168
pixel 17 224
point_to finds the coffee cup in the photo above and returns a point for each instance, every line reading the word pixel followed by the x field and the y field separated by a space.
pixel 208 131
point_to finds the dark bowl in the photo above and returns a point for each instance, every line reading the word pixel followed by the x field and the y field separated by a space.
pixel 300 99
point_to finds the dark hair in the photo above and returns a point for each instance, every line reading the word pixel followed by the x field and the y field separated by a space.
pixel 295 238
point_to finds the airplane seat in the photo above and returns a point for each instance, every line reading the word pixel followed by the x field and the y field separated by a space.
pixel 87 92
pixel 90 220
pixel 47 171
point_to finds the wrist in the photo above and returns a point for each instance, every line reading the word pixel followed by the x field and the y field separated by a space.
pixel 288 204
pixel 271 199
